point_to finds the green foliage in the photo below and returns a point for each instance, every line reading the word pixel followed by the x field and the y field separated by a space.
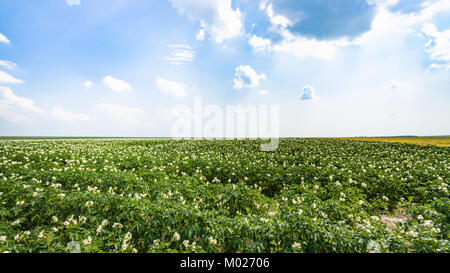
pixel 159 195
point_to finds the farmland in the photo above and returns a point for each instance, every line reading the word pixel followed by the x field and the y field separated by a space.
pixel 161 195
pixel 443 141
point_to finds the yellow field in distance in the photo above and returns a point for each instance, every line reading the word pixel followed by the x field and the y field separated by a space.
pixel 443 141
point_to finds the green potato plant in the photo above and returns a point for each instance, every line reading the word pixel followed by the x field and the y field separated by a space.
pixel 161 195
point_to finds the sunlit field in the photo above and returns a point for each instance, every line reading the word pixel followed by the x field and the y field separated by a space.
pixel 443 141
pixel 161 195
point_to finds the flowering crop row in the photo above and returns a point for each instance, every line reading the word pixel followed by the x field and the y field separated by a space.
pixel 311 195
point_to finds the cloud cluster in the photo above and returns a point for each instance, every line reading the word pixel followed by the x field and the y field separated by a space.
pixel 246 77
pixel 14 108
pixel 216 17
pixel 180 54
pixel 288 35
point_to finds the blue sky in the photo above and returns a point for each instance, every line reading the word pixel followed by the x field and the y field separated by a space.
pixel 118 67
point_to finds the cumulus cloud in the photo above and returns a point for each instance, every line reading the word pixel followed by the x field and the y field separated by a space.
pixel 246 77
pixel 259 44
pixel 12 106
pixel 438 47
pixel 120 113
pixel 8 65
pixel 180 54
pixel 59 113
pixel 7 78
pixel 3 39
pixel 216 17
pixel 173 88
pixel 88 84
pixel 309 93
pixel 116 84
pixel 73 2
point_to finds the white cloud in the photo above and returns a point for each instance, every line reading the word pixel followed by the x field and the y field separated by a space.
pixel 6 78
pixel 23 104
pixel 116 84
pixel 430 9
pixel 303 47
pixel 8 65
pixel 12 106
pixel 246 77
pixel 259 44
pixel 277 20
pixel 263 92
pixel 262 5
pixel 73 2
pixel 440 66
pixel 386 27
pixel 119 113
pixel 172 88
pixel 309 93
pixel 3 39
pixel 59 113
pixel 438 47
pixel 216 17
pixel 200 36
pixel 88 84
pixel 181 54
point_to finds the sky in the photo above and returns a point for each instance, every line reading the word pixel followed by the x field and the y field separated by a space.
pixel 120 67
